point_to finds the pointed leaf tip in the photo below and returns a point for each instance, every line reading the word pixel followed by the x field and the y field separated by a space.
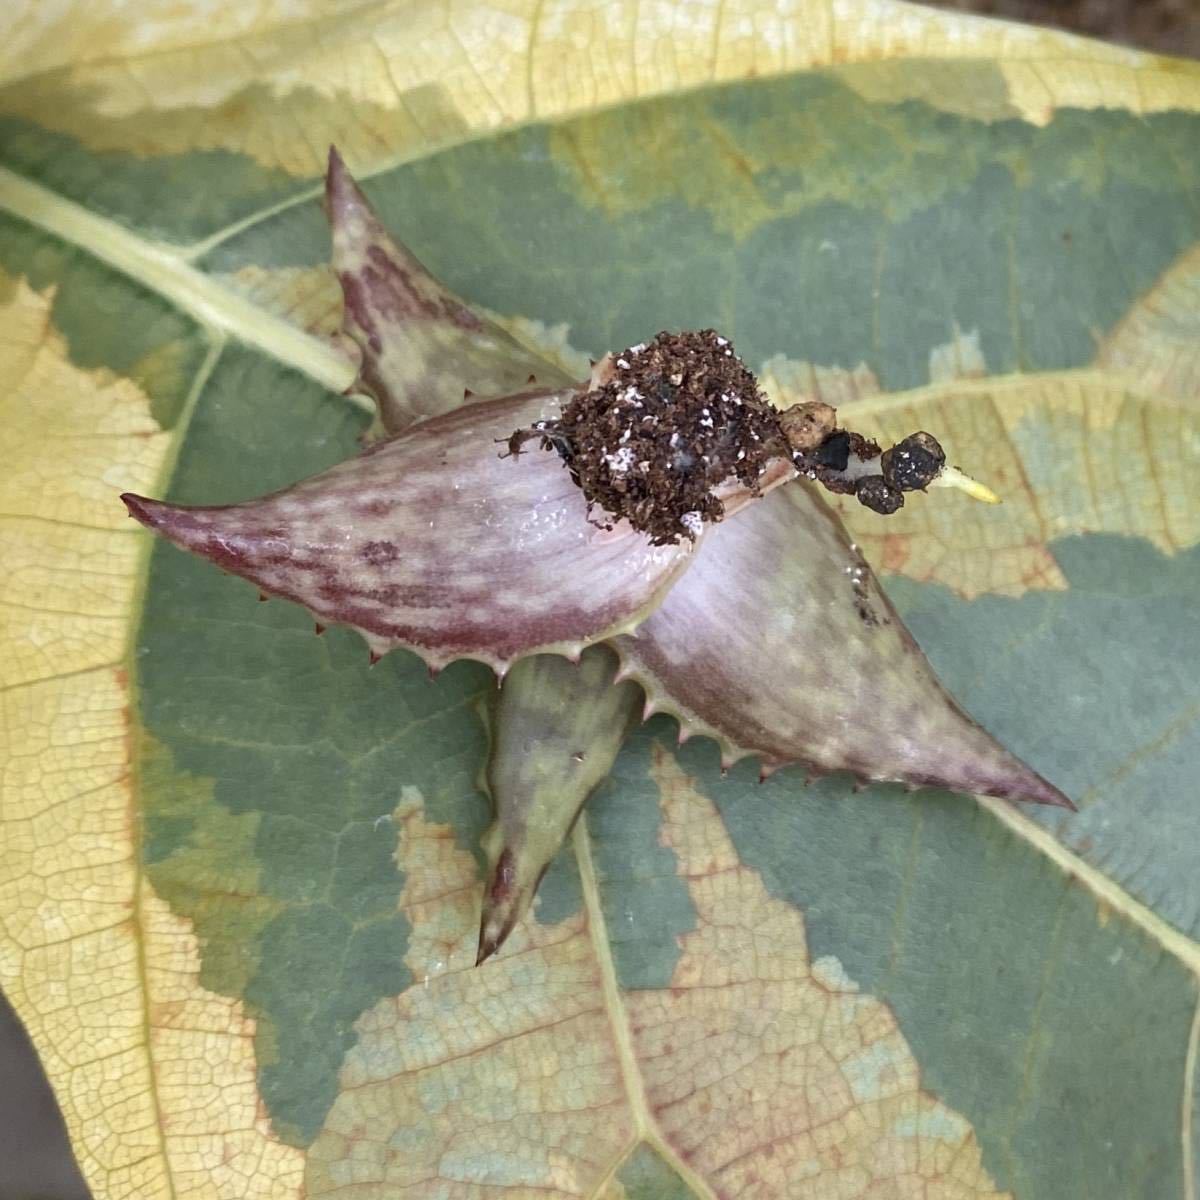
pixel 503 903
pixel 489 943
pixel 1028 787
pixel 557 731
pixel 434 542
pixel 171 521
pixel 136 505
pixel 420 344
pixel 339 183
pixel 809 662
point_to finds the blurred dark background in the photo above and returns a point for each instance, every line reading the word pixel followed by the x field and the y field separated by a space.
pixel 1168 26
pixel 35 1161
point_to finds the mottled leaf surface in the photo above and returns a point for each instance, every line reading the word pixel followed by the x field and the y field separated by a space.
pixel 857 696
pixel 240 872
pixel 556 732
pixel 421 350
pixel 371 543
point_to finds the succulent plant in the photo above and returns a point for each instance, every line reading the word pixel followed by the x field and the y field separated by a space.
pixel 657 524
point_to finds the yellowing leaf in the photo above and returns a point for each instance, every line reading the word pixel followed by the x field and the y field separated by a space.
pixel 47 36
pixel 765 1066
pixel 276 86
pixel 1158 344
pixel 1069 454
pixel 521 1086
pixel 239 884
pixel 755 1067
pixel 214 1129
pixel 69 559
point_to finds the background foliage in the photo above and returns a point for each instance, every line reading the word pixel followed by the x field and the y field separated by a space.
pixel 238 872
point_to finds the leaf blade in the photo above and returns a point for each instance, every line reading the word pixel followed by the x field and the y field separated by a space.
pixel 1011 91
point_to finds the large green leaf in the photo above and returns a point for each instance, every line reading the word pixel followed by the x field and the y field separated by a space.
pixel 239 872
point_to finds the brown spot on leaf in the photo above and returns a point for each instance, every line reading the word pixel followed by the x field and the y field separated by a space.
pixel 380 553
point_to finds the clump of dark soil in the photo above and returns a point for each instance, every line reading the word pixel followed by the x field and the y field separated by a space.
pixel 913 463
pixel 675 418
pixel 665 425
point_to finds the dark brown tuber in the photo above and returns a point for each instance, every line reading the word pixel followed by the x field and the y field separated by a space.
pixel 913 464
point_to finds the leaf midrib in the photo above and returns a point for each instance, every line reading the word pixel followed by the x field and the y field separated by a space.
pixel 645 1126
pixel 162 269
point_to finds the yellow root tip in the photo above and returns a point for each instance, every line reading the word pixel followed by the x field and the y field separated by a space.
pixel 952 477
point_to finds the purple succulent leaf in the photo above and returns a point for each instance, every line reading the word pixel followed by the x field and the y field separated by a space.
pixel 421 346
pixel 780 642
pixel 435 542
pixel 556 733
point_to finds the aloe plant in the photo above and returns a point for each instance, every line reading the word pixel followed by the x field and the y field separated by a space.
pixel 774 637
